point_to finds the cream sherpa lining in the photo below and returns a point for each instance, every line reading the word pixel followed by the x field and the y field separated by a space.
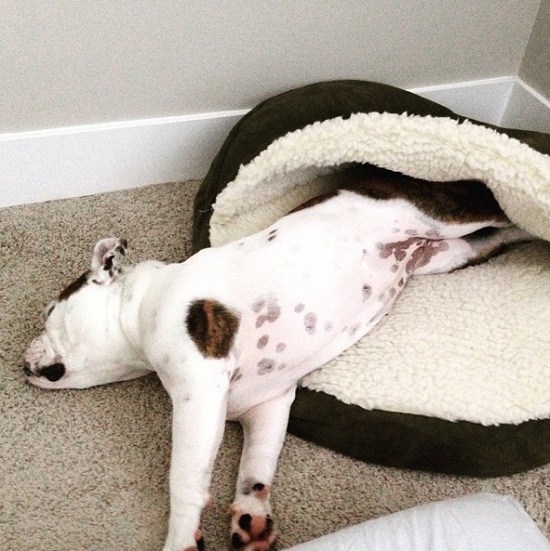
pixel 473 345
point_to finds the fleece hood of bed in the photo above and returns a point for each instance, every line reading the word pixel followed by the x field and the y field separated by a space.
pixel 473 345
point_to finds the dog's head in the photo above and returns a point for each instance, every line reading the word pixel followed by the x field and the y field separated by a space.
pixel 82 344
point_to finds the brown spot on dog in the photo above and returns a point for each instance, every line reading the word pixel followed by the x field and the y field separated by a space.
pixel 236 375
pixel 422 256
pixel 258 305
pixel 272 307
pixel 397 248
pixel 280 347
pixel 366 291
pixel 75 286
pixel 212 327
pixel 272 235
pixel 262 341
pixel 299 308
pixel 273 311
pixel 265 366
pixel 310 322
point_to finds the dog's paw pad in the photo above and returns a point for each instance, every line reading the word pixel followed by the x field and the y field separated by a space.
pixel 253 533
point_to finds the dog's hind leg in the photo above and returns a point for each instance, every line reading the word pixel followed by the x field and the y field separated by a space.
pixel 264 431
pixel 446 255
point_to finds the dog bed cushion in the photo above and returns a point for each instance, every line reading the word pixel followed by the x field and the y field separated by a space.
pixel 480 522
pixel 456 378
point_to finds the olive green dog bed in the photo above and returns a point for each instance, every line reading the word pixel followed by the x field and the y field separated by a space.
pixel 456 379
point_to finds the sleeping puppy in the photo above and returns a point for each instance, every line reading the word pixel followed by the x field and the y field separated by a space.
pixel 233 329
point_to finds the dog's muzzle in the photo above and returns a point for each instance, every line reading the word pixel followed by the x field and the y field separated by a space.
pixel 52 372
pixel 34 356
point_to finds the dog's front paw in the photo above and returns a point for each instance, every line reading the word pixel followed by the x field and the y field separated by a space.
pixel 252 527
pixel 199 544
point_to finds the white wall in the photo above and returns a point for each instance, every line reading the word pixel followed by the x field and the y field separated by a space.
pixel 69 62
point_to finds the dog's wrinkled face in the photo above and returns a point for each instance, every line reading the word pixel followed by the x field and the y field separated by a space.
pixel 82 345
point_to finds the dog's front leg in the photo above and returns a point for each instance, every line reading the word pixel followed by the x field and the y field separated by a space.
pixel 199 400
pixel 264 433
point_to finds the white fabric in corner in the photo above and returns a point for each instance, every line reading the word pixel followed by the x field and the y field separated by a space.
pixel 481 522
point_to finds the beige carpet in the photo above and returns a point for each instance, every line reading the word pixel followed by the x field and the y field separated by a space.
pixel 87 470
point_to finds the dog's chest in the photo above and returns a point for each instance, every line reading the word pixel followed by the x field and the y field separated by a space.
pixel 310 286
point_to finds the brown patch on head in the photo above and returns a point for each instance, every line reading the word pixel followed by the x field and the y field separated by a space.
pixel 75 286
pixel 212 327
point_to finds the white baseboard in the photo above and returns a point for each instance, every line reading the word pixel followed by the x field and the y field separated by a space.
pixel 483 100
pixel 504 101
pixel 73 162
pixel 526 108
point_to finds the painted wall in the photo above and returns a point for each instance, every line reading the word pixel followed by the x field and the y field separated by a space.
pixel 535 69
pixel 69 63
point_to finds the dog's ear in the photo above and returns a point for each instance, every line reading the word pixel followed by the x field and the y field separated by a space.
pixel 105 266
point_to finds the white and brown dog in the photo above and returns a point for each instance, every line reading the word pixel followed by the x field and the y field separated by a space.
pixel 233 329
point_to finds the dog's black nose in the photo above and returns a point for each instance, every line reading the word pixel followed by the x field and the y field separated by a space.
pixel 53 372
pixel 27 369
